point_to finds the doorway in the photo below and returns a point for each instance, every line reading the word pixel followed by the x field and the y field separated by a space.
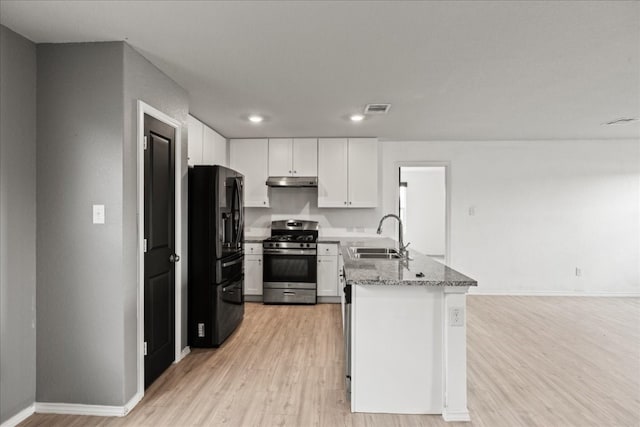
pixel 159 247
pixel 423 208
pixel 162 149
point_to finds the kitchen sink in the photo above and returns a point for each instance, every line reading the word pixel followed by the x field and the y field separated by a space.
pixel 376 256
pixel 364 250
pixel 374 253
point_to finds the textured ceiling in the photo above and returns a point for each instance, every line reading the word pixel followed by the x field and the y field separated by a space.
pixel 452 70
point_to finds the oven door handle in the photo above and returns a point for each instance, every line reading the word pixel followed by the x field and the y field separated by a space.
pixel 307 252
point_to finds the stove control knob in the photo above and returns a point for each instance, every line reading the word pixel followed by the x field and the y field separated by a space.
pixel 308 245
pixel 302 245
pixel 277 245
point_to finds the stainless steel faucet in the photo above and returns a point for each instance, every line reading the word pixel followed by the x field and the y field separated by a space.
pixel 403 248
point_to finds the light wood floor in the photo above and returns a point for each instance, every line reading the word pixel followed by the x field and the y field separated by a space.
pixel 532 361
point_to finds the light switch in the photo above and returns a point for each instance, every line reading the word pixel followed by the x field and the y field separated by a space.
pixel 98 214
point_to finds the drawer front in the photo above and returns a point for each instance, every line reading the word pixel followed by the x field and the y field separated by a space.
pixel 327 249
pixel 289 296
pixel 253 248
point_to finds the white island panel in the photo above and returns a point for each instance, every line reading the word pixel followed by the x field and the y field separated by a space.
pixel 397 353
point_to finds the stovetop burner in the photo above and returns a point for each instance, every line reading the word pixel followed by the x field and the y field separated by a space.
pixel 291 238
pixel 292 234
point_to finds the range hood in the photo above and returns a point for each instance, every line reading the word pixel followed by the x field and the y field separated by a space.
pixel 292 181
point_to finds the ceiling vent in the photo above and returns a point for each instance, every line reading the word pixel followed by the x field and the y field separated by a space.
pixel 377 108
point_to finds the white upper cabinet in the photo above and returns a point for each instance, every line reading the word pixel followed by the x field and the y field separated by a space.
pixel 250 158
pixel 332 172
pixel 293 157
pixel 214 148
pixel 305 156
pixel 347 172
pixel 205 145
pixel 194 141
pixel 363 172
pixel 280 159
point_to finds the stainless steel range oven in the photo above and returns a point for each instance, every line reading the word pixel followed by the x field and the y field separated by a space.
pixel 290 263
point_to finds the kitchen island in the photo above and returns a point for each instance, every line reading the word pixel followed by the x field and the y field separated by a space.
pixel 406 333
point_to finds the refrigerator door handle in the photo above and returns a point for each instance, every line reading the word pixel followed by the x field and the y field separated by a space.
pixel 234 262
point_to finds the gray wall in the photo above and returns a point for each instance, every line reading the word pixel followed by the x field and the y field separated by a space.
pixel 142 80
pixel 80 274
pixel 17 223
pixel 87 274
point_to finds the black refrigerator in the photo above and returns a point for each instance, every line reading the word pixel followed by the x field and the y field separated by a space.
pixel 216 258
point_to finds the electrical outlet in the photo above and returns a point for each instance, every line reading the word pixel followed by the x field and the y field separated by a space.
pixel 456 316
pixel 578 271
pixel 200 330
pixel 472 210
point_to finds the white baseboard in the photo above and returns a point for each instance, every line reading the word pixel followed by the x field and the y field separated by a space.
pixel 554 293
pixel 19 417
pixel 133 402
pixel 81 409
pixel 451 416
pixel 184 353
pixel 329 300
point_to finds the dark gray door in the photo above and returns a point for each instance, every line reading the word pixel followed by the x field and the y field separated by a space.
pixel 159 232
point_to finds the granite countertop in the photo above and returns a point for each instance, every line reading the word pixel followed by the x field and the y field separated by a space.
pixel 397 272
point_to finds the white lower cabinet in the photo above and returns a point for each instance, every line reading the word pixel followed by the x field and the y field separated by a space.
pixel 253 269
pixel 327 273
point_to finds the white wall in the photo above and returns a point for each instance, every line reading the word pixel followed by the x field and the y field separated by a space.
pixel 425 209
pixel 302 203
pixel 542 208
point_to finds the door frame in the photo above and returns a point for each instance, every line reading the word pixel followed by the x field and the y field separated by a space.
pixel 144 108
pixel 447 185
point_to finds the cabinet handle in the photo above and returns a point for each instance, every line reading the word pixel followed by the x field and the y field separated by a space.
pixel 289 171
pixel 264 203
pixel 295 171
pixel 345 203
pixel 349 202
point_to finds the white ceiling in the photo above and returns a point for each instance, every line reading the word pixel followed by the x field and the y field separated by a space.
pixel 452 70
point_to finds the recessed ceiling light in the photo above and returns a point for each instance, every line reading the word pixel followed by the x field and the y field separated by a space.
pixel 255 118
pixel 356 117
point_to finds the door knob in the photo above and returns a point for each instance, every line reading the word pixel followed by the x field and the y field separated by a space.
pixel 174 258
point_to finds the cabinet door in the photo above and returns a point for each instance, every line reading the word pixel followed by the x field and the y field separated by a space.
pixel 253 274
pixel 327 276
pixel 214 148
pixel 194 141
pixel 209 155
pixel 305 156
pixel 363 172
pixel 280 157
pixel 332 173
pixel 253 248
pixel 250 158
pixel 220 147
